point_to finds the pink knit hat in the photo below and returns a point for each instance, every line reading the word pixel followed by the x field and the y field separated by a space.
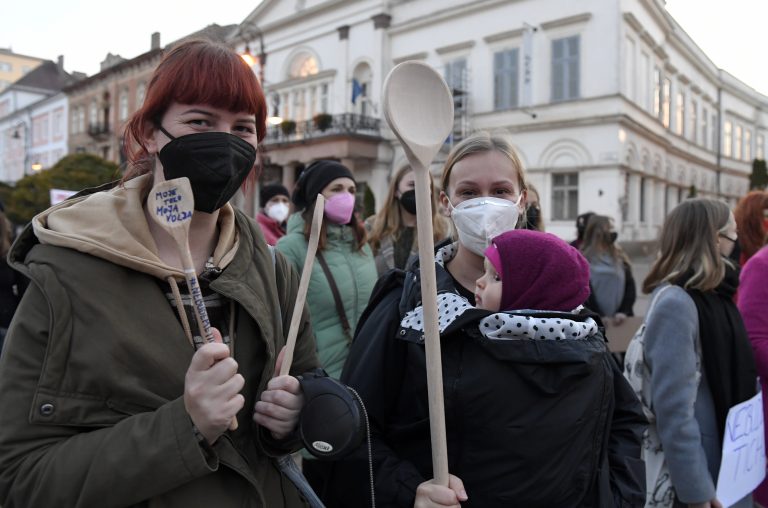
pixel 539 271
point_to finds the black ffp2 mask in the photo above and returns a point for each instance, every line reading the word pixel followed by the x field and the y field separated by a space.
pixel 408 200
pixel 216 163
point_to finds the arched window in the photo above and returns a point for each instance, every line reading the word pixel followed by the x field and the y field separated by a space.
pixel 361 88
pixel 303 65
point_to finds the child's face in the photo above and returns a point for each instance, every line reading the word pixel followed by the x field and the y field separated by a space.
pixel 488 289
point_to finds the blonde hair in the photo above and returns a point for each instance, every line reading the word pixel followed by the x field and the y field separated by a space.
pixel 483 142
pixel 597 240
pixel 688 246
pixel 389 220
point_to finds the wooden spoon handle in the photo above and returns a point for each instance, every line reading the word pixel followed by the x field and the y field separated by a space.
pixel 431 330
pixel 301 294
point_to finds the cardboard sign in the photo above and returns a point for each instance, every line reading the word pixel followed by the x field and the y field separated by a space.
pixel 619 336
pixel 743 464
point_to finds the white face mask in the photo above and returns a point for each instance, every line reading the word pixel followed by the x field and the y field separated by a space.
pixel 480 220
pixel 278 211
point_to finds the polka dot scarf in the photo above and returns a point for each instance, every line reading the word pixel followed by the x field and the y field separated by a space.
pixel 517 325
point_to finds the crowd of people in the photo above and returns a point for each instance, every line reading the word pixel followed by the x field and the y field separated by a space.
pixel 112 397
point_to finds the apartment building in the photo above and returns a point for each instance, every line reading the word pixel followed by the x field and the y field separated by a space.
pixel 612 106
pixel 14 66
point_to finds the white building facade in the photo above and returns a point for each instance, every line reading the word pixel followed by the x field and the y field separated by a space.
pixel 612 107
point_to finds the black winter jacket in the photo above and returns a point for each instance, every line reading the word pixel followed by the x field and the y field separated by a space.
pixel 529 424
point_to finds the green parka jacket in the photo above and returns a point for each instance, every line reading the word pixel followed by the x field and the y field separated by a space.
pixel 354 273
pixel 92 373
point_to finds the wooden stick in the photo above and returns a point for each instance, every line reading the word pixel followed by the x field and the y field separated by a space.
pixel 172 209
pixel 301 294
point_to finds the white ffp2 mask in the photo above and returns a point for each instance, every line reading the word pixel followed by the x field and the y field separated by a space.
pixel 480 220
pixel 278 211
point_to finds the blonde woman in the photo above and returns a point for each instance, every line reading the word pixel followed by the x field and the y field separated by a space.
pixel 698 357
pixel 613 287
pixel 489 400
pixel 393 229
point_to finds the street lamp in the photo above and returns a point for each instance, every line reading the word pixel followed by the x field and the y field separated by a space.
pixel 16 135
pixel 261 58
pixel 36 166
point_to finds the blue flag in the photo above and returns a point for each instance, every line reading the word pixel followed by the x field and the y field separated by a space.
pixel 357 90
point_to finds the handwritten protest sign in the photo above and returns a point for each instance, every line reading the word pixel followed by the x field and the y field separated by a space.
pixel 743 464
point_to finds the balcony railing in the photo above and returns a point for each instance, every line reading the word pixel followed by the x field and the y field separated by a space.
pixel 98 130
pixel 343 124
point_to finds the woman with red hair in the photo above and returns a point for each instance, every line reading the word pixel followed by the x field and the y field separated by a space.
pixel 752 222
pixel 109 395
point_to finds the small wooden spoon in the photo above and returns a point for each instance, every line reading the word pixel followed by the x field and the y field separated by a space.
pixel 418 107
pixel 301 294
pixel 172 204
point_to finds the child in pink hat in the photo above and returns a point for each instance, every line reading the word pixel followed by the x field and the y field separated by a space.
pixel 531 270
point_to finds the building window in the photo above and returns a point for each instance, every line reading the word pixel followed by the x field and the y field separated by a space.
pixel 81 120
pixel 665 98
pixel 565 69
pixel 658 84
pixel 715 130
pixel 747 145
pixel 58 123
pixel 141 90
pixel 124 105
pixel 727 139
pixel 630 68
pixel 505 79
pixel 324 98
pixel 303 65
pixel 5 67
pixel 93 115
pixel 456 76
pixel 643 183
pixel 760 148
pixel 680 114
pixel 565 196
pixel 693 131
pixel 645 65
pixel 705 127
pixel 74 123
pixel 737 140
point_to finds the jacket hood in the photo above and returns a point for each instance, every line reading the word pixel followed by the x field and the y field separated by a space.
pixel 111 224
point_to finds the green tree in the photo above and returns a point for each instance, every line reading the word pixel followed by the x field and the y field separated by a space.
pixel 692 192
pixel 758 180
pixel 74 172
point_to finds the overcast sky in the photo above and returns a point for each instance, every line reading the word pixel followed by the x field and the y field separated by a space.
pixel 84 31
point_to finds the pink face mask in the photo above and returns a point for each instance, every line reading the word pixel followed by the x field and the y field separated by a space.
pixel 339 208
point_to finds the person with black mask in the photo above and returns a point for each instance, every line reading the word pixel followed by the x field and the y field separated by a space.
pixel 581 228
pixel 392 231
pixel 109 394
pixel 612 285
pixel 533 218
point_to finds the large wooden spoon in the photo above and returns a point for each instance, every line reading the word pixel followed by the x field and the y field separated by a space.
pixel 171 205
pixel 418 107
pixel 301 294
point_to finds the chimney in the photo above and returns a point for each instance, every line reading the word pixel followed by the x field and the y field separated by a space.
pixel 60 62
pixel 155 41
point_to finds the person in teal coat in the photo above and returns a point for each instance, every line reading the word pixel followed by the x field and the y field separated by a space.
pixel 343 274
pixel 345 251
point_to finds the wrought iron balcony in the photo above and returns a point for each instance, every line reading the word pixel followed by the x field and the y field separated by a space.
pixel 99 131
pixel 343 124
